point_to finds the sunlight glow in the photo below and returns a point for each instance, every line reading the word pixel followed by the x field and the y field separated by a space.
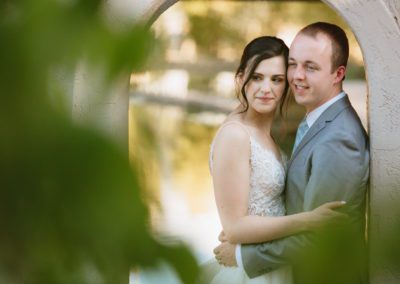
pixel 224 84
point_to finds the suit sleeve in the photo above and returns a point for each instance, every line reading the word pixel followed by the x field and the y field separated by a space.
pixel 338 171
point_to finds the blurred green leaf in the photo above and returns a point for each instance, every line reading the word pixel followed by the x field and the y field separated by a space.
pixel 71 206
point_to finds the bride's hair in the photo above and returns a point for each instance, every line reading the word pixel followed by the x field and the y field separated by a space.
pixel 257 50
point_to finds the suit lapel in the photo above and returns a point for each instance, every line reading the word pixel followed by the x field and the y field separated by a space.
pixel 326 117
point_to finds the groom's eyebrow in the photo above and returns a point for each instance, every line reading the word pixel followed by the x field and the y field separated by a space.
pixel 310 62
pixel 305 62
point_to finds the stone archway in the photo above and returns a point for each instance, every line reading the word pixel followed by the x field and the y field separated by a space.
pixel 376 25
pixel 378 39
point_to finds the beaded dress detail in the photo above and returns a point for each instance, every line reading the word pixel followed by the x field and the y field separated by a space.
pixel 267 178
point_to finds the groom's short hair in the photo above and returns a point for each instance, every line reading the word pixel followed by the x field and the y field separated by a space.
pixel 340 43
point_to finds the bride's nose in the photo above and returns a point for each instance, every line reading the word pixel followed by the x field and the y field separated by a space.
pixel 265 87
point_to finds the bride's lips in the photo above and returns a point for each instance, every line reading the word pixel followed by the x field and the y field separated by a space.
pixel 264 99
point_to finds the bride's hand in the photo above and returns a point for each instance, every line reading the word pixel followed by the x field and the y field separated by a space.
pixel 325 215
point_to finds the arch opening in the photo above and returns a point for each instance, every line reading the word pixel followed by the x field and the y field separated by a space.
pixel 376 39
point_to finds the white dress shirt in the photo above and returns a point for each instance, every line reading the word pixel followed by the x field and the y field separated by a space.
pixel 311 117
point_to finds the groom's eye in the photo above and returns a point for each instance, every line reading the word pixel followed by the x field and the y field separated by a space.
pixel 311 68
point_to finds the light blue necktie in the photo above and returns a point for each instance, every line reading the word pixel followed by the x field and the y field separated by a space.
pixel 301 131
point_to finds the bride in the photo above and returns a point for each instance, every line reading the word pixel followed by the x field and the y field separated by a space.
pixel 248 168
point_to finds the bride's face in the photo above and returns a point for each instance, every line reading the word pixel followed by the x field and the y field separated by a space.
pixel 266 86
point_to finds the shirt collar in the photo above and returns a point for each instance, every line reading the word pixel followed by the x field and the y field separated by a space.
pixel 312 116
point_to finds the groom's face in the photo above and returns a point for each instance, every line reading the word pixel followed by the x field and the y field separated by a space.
pixel 309 73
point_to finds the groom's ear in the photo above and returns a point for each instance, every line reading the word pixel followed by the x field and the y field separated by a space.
pixel 340 74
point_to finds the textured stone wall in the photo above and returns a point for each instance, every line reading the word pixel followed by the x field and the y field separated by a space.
pixel 376 26
pixel 93 104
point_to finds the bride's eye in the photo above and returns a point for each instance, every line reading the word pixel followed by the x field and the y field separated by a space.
pixel 256 77
pixel 277 80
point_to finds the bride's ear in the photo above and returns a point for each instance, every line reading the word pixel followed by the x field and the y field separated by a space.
pixel 238 84
pixel 239 80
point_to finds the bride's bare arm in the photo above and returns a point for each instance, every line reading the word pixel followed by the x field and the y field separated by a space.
pixel 257 229
pixel 231 178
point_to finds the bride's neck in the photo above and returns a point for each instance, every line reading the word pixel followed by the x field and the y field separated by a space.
pixel 262 122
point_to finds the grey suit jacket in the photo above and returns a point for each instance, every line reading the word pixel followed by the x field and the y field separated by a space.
pixel 331 163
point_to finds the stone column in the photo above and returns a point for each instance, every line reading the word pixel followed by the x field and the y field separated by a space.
pixel 107 109
pixel 376 26
pixel 103 109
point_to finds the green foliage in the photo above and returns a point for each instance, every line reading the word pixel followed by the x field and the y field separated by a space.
pixel 337 255
pixel 70 204
pixel 215 25
pixel 210 31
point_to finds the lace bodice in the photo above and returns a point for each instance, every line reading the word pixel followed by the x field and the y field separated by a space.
pixel 267 179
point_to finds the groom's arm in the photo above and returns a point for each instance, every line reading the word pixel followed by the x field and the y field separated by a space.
pixel 263 258
pixel 338 171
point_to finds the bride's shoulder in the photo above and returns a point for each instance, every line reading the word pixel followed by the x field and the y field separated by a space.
pixel 231 136
pixel 234 131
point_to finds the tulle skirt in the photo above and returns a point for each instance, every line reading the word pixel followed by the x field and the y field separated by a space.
pixel 214 273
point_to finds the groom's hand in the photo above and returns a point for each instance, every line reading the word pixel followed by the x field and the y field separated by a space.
pixel 225 254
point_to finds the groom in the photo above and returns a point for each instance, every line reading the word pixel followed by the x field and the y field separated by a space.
pixel 330 162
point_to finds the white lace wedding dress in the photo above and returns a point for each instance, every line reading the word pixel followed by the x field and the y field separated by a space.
pixel 265 199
